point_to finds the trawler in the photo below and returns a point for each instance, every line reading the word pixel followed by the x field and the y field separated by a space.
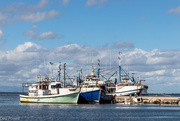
pixel 93 89
pixel 90 90
pixel 127 85
pixel 50 91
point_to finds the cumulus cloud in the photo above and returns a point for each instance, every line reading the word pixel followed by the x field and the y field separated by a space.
pixel 96 2
pixel 157 67
pixel 174 10
pixel 123 45
pixel 38 16
pixel 28 13
pixel 27 46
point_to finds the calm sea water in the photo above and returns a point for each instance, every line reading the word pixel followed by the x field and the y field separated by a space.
pixel 11 109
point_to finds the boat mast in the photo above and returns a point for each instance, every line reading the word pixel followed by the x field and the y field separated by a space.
pixel 51 70
pixel 133 80
pixel 98 68
pixel 64 74
pixel 59 71
pixel 92 72
pixel 119 66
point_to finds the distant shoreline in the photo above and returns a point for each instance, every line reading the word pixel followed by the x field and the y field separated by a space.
pixel 162 93
pixel 12 92
pixel 142 94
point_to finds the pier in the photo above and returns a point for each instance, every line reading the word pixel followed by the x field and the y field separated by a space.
pixel 146 100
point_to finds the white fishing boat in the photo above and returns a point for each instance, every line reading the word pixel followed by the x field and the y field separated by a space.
pixel 127 85
pixel 48 91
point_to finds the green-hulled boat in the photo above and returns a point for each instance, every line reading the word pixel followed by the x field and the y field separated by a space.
pixel 50 92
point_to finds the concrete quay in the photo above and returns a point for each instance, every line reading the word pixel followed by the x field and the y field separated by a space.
pixel 146 100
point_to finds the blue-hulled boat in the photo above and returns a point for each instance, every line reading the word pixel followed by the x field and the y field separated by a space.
pixel 90 90
pixel 89 95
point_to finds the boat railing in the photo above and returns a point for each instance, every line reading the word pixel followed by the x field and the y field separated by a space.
pixel 129 84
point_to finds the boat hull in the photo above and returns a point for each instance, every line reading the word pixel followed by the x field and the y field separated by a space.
pixel 92 96
pixel 128 90
pixel 63 99
pixel 106 98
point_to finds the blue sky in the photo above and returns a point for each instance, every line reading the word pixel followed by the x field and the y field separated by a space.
pixel 147 32
pixel 147 24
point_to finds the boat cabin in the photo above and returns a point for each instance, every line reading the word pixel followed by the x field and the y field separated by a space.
pixel 44 88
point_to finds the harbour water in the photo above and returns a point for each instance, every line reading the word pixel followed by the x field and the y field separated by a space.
pixel 11 109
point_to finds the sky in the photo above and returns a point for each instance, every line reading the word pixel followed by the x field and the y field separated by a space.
pixel 77 32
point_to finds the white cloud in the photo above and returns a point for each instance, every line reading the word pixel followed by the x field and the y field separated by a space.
pixel 3 16
pixel 30 33
pixel 123 45
pixel 34 27
pixel 174 10
pixel 159 72
pixel 157 67
pixel 28 13
pixel 46 35
pixel 96 2
pixel 38 16
pixel 1 34
pixel 42 4
pixel 65 2
pixel 14 7
pixel 22 7
pixel 27 46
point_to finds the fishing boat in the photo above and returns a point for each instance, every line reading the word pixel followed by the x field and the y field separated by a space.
pixel 49 91
pixel 90 91
pixel 128 85
pixel 106 92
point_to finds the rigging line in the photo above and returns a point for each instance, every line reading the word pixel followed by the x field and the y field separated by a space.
pixel 69 77
pixel 114 67
pixel 108 73
pixel 110 69
pixel 159 93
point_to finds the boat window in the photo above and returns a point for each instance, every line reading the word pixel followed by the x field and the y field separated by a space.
pixel 58 85
pixel 53 86
pixel 45 87
pixel 32 91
